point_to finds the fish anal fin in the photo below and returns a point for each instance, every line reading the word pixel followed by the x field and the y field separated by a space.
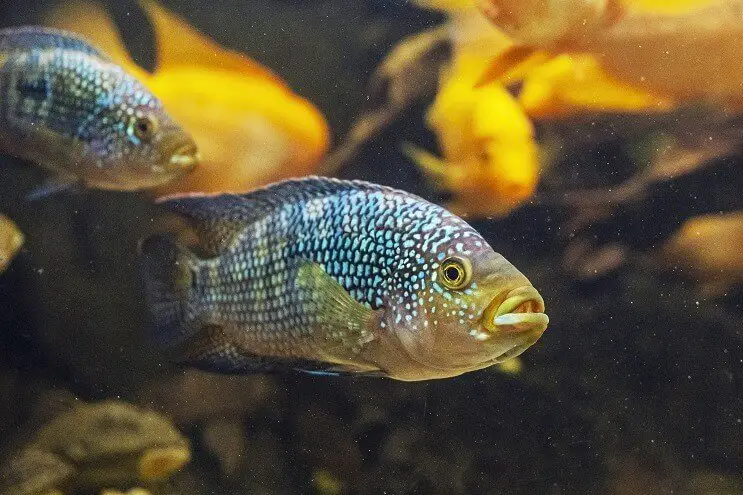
pixel 213 349
pixel 191 47
pixel 92 21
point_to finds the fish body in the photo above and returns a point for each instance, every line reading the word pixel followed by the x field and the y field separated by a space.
pixel 326 275
pixel 251 129
pixel 64 105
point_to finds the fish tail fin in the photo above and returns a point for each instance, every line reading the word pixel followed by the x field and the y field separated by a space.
pixel 169 272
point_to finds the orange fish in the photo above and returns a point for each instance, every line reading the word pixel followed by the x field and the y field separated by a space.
pixel 489 161
pixel 250 127
pixel 682 50
pixel 707 247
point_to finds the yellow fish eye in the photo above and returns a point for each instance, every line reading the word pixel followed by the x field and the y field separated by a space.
pixel 455 273
pixel 144 127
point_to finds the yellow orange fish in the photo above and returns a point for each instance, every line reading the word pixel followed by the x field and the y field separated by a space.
pixel 250 127
pixel 686 50
pixel 707 247
pixel 489 159
pixel 11 240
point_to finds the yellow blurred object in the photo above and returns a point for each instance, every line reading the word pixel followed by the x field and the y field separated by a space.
pixel 158 463
pixel 489 161
pixel 686 50
pixel 708 247
pixel 445 5
pixel 133 491
pixel 569 84
pixel 512 366
pixel 11 240
pixel 489 157
pixel 251 129
pixel 326 483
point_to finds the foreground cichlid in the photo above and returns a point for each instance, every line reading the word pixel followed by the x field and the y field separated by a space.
pixel 67 107
pixel 326 275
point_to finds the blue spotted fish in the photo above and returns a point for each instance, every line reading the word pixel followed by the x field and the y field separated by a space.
pixel 66 106
pixel 331 276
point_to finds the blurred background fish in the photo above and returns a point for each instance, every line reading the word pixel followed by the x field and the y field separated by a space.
pixel 11 241
pixel 89 447
pixel 251 129
pixel 332 276
pixel 644 43
pixel 707 249
pixel 69 108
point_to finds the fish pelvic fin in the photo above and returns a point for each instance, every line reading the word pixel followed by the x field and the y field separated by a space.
pixel 191 47
pixel 91 20
pixel 168 272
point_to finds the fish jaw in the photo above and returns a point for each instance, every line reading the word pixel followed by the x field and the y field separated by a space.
pixel 185 158
pixel 522 311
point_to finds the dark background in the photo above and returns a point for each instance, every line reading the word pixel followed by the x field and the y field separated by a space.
pixel 635 387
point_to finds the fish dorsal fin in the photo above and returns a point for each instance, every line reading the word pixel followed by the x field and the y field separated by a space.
pixel 219 218
pixel 255 204
pixel 42 38
pixel 91 20
pixel 179 43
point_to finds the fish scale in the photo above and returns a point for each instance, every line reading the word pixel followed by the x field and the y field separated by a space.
pixel 311 271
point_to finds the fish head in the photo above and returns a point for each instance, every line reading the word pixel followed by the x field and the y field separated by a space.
pixel 134 143
pixel 464 306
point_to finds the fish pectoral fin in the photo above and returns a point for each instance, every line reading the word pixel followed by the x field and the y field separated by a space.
pixel 55 184
pixel 191 47
pixel 92 21
pixel 349 321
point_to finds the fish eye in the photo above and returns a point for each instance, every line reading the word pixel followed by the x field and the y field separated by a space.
pixel 144 127
pixel 455 273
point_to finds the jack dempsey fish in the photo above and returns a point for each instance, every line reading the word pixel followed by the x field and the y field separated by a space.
pixel 65 106
pixel 331 276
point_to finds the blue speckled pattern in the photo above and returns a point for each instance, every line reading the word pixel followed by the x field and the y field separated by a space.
pixel 66 106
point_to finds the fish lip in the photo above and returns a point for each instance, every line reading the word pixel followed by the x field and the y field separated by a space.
pixel 522 310
pixel 185 157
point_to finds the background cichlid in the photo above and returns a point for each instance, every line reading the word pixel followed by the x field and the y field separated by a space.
pixel 325 275
pixel 67 107
pixel 252 131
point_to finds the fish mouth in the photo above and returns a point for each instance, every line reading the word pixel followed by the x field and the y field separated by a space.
pixel 522 311
pixel 158 463
pixel 185 158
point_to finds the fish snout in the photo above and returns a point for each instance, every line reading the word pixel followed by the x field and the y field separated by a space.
pixel 184 158
pixel 521 311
